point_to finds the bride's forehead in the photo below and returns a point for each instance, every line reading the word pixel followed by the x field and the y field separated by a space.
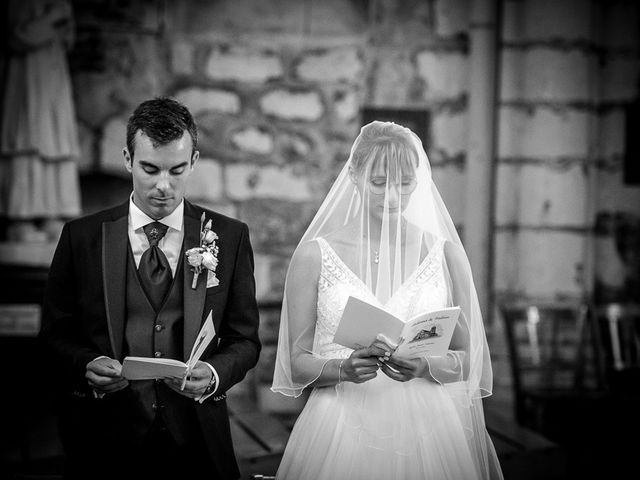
pixel 397 165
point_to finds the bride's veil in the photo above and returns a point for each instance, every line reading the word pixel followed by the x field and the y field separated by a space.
pixel 382 216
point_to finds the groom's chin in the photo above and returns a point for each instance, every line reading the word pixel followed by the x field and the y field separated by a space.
pixel 161 208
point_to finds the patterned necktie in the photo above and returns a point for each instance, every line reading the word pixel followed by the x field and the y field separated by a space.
pixel 154 269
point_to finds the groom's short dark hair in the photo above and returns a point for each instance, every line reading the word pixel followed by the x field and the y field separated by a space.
pixel 163 120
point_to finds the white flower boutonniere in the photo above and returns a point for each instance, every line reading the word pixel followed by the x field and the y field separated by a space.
pixel 206 255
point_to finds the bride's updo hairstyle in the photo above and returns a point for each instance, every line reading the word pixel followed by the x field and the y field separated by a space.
pixel 387 142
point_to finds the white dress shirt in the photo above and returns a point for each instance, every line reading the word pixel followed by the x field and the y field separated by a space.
pixel 170 244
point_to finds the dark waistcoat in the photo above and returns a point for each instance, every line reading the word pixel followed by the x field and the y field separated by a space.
pixel 157 334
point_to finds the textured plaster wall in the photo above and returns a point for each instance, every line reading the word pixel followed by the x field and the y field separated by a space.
pixel 277 90
pixel 568 71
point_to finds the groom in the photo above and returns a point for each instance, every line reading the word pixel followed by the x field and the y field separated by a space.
pixel 119 285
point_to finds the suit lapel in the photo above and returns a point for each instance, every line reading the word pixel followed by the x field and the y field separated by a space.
pixel 115 238
pixel 193 298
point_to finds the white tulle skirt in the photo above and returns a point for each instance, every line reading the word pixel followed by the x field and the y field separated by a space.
pixel 381 429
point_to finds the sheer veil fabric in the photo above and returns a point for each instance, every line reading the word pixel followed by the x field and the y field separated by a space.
pixel 382 217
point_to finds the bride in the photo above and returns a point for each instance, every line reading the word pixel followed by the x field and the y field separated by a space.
pixel 383 235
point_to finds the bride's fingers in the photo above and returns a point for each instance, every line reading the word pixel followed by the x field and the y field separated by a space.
pixel 401 362
pixel 367 352
pixel 359 353
pixel 401 365
pixel 393 374
pixel 390 373
pixel 400 369
pixel 364 362
pixel 384 347
pixel 366 377
pixel 379 349
pixel 366 370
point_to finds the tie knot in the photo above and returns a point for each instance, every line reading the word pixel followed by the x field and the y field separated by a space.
pixel 154 232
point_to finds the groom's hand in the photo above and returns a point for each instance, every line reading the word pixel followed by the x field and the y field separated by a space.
pixel 196 383
pixel 103 374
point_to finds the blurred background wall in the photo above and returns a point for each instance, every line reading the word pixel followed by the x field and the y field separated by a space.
pixel 280 90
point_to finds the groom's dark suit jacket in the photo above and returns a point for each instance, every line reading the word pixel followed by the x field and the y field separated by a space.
pixel 85 315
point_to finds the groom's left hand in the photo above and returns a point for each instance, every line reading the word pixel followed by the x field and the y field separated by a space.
pixel 196 383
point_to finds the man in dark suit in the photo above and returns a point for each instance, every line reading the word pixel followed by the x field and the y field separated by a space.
pixel 119 285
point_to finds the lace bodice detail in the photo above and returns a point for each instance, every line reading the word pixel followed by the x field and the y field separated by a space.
pixel 425 289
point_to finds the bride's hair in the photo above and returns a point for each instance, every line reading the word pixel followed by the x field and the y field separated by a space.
pixel 384 141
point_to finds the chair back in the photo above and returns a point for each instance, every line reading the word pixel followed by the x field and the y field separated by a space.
pixel 550 348
pixel 619 330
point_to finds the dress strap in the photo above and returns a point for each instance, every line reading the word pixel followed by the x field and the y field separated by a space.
pixel 322 243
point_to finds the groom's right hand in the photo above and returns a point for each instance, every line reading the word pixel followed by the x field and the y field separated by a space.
pixel 103 375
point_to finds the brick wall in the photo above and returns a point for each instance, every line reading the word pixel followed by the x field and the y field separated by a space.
pixel 277 91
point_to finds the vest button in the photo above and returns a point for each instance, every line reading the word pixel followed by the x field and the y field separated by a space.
pixel 158 354
pixel 159 328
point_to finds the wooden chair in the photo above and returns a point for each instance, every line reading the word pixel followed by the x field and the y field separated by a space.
pixel 618 327
pixel 554 366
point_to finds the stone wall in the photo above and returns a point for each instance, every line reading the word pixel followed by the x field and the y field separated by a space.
pixel 276 111
pixel 277 89
pixel 566 223
pixel 569 69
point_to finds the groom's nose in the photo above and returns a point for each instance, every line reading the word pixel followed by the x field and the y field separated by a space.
pixel 163 183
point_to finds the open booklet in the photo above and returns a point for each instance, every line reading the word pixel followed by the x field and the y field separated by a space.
pixel 148 368
pixel 428 333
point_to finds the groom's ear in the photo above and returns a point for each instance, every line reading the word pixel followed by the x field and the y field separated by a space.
pixel 128 161
pixel 194 158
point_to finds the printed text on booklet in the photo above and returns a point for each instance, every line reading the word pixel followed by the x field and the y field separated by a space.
pixel 428 333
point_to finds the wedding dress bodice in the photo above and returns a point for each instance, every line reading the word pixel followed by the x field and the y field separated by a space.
pixel 380 429
pixel 424 289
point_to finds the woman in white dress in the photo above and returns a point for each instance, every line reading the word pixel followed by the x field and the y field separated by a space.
pixel 384 236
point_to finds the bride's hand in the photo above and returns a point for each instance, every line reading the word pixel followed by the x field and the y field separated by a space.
pixel 361 366
pixel 403 370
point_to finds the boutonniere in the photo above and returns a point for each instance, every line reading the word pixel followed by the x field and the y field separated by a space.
pixel 206 255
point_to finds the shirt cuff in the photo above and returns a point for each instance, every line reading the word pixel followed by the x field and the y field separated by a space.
pixel 203 397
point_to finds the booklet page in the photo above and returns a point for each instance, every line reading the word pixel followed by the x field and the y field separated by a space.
pixel 147 368
pixel 428 333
